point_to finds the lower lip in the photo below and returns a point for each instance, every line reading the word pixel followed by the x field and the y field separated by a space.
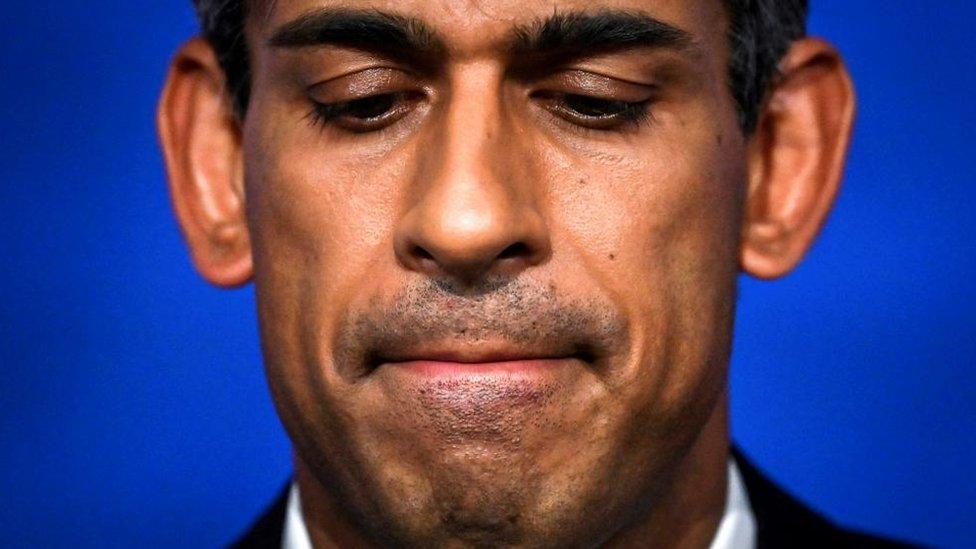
pixel 481 389
pixel 509 368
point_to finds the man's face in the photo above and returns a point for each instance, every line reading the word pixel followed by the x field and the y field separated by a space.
pixel 495 272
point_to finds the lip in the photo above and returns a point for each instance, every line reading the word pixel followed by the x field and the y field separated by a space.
pixel 482 355
pixel 485 381
pixel 521 367
pixel 479 392
pixel 488 360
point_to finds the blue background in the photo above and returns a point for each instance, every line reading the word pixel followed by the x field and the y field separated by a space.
pixel 133 409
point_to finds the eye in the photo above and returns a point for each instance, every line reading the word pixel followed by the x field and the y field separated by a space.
pixel 596 112
pixel 370 108
pixel 592 107
pixel 364 114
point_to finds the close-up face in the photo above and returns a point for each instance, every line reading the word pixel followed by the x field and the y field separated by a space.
pixel 500 197
pixel 495 249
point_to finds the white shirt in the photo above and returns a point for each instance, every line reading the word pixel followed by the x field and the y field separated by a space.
pixel 736 531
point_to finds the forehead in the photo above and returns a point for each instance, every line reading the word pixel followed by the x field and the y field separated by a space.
pixel 481 26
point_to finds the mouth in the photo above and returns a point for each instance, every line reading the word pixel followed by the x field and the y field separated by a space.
pixel 522 368
pixel 480 360
pixel 469 389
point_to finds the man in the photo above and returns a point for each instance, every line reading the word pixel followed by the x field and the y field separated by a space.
pixel 495 246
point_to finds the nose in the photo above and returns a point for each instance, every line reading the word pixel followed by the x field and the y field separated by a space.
pixel 475 210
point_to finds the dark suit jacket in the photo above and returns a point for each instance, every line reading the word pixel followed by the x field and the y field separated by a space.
pixel 781 520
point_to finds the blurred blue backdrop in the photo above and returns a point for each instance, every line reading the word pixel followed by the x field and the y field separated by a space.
pixel 133 408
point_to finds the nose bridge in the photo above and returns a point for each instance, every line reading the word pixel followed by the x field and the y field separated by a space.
pixel 470 137
pixel 473 210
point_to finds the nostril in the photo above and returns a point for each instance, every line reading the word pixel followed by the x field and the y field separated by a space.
pixel 515 250
pixel 420 252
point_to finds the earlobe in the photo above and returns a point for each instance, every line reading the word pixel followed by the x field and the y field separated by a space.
pixel 201 141
pixel 796 158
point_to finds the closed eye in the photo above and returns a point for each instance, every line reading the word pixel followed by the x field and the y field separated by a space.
pixel 595 112
pixel 364 114
pixel 375 112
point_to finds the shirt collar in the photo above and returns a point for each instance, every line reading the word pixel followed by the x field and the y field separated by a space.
pixel 738 527
pixel 295 535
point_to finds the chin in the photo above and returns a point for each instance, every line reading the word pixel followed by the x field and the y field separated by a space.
pixel 545 471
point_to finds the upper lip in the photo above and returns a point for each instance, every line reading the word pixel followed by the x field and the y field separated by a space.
pixel 478 354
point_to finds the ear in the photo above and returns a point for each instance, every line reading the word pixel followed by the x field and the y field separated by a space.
pixel 201 140
pixel 796 158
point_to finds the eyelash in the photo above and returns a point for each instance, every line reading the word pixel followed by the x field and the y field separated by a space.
pixel 323 114
pixel 627 115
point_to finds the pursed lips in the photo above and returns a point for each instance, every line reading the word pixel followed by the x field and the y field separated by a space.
pixel 480 383
pixel 487 359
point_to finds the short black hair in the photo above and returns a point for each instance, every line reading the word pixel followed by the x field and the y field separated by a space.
pixel 760 33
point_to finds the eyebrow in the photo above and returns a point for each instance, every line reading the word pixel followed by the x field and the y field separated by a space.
pixel 578 34
pixel 564 35
pixel 392 34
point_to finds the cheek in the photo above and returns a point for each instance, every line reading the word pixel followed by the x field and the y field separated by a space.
pixel 321 222
pixel 320 208
pixel 644 212
pixel 658 226
pixel 315 202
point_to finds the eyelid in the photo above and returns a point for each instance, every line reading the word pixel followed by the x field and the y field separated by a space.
pixel 588 83
pixel 628 123
pixel 360 84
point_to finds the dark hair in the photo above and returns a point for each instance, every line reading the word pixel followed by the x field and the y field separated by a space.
pixel 760 33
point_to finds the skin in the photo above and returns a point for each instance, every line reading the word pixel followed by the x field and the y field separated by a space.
pixel 483 223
